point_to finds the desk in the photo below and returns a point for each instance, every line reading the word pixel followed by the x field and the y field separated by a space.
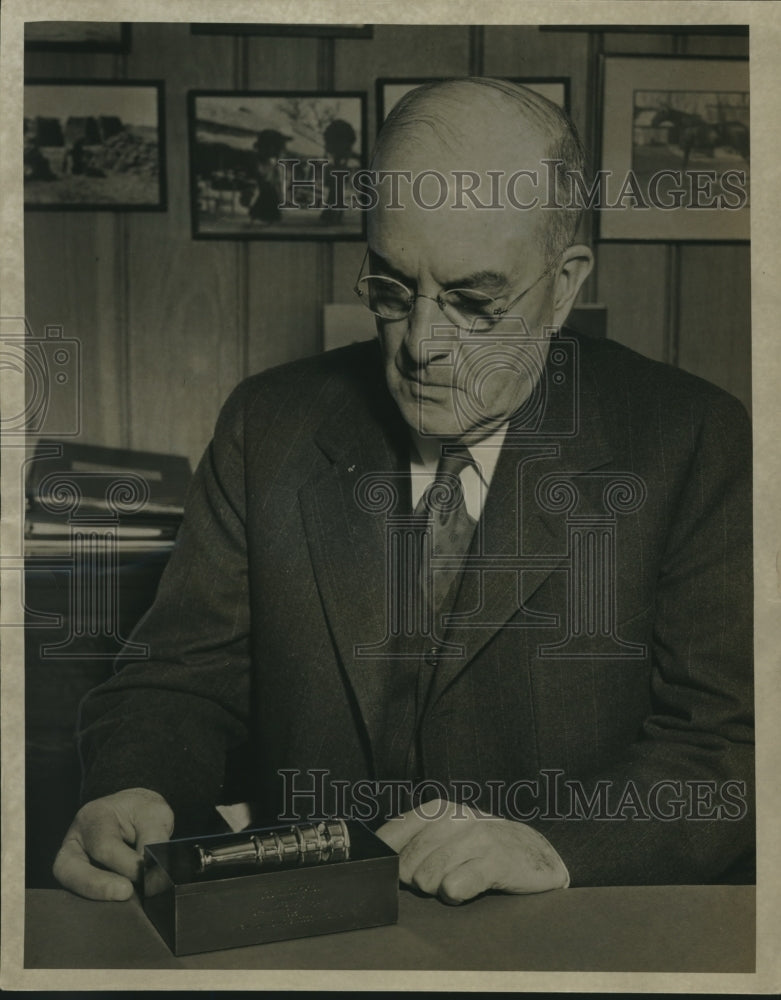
pixel 625 929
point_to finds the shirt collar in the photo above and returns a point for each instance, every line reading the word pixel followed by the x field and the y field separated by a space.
pixel 426 451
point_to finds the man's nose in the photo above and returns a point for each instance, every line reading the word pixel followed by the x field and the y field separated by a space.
pixel 421 341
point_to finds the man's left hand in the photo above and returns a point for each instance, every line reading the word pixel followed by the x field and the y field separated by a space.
pixel 456 852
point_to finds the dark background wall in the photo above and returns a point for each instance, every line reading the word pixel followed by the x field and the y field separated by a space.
pixel 169 325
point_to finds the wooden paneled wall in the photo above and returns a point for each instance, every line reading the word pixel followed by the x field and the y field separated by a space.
pixel 168 325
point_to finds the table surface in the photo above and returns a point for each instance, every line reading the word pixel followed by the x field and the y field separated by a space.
pixel 619 929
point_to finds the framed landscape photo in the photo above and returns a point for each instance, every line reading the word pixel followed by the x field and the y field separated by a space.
pixel 77 36
pixel 94 145
pixel 276 165
pixel 390 90
pixel 675 153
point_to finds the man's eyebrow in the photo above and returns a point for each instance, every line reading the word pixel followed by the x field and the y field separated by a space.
pixel 377 258
pixel 495 280
pixel 481 279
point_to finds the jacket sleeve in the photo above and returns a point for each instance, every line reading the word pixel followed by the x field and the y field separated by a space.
pixel 692 768
pixel 167 721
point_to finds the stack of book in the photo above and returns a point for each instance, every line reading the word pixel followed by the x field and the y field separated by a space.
pixel 59 467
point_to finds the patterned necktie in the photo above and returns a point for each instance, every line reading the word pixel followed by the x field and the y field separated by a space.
pixel 451 526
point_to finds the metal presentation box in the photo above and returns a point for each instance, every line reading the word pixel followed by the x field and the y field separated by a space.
pixel 290 891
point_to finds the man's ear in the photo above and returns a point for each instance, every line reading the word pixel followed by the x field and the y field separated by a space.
pixel 576 264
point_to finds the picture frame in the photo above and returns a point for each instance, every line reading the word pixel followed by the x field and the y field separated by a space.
pixel 276 165
pixel 736 30
pixel 674 149
pixel 284 30
pixel 94 145
pixel 390 90
pixel 77 36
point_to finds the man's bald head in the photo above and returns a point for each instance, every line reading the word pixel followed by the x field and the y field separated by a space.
pixel 482 124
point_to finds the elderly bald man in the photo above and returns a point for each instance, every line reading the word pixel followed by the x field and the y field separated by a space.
pixel 483 583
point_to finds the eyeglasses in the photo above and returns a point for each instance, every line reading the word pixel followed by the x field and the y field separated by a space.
pixel 466 308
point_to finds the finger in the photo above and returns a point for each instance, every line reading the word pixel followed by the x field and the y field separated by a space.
pixel 399 831
pixel 432 852
pixel 536 866
pixel 153 830
pixel 464 882
pixel 73 870
pixel 429 874
pixel 102 841
pixel 440 845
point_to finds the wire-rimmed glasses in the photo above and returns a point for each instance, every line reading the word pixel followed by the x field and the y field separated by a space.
pixel 466 308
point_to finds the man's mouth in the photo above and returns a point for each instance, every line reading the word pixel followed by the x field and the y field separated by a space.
pixel 427 389
pixel 423 382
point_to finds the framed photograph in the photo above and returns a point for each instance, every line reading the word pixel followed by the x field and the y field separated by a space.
pixel 736 30
pixel 77 36
pixel 675 159
pixel 286 30
pixel 94 145
pixel 266 165
pixel 390 90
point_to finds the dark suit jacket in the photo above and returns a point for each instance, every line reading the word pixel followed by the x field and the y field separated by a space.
pixel 278 574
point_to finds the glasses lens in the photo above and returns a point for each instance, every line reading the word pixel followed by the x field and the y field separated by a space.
pixel 469 308
pixel 385 297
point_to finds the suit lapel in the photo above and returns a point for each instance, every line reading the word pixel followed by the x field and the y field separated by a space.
pixel 347 536
pixel 561 443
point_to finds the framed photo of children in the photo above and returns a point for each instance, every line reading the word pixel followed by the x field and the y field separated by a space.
pixel 92 145
pixel 675 161
pixel 277 165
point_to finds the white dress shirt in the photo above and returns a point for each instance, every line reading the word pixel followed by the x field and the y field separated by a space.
pixel 424 458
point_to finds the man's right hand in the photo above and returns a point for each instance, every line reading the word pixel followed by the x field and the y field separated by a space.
pixel 102 853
